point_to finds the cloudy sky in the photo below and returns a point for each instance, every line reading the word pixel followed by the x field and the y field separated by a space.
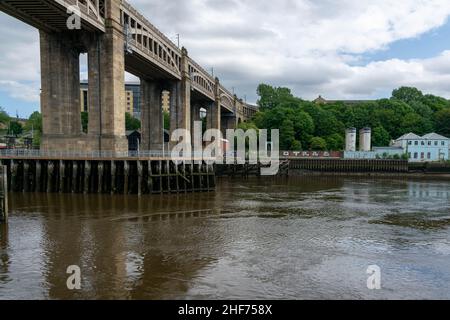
pixel 355 49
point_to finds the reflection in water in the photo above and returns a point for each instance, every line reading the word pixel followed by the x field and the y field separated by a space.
pixel 304 237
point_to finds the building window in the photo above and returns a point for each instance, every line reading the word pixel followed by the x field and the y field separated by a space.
pixel 429 143
pixel 422 155
pixel 416 155
pixel 422 143
pixel 416 143
pixel 435 143
pixel 443 143
pixel 429 155
pixel 409 155
pixel 409 143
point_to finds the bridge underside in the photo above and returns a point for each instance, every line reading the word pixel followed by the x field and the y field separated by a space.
pixel 47 15
pixel 142 68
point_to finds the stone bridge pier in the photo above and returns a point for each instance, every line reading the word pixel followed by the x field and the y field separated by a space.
pixel 60 80
pixel 152 120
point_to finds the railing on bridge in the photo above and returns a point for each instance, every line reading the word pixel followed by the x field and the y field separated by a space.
pixel 41 154
pixel 202 81
pixel 93 11
pixel 148 41
pixel 129 155
pixel 227 99
pixel 92 8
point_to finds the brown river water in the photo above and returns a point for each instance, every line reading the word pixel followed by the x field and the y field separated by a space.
pixel 296 238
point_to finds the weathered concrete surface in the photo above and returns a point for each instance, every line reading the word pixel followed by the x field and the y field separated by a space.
pixel 152 134
pixel 112 82
pixel 214 111
pixel 3 194
pixel 60 96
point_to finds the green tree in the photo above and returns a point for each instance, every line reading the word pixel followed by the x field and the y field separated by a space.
pixel 85 121
pixel 166 120
pixel 248 126
pixel 4 117
pixel 34 122
pixel 15 128
pixel 287 134
pixel 131 123
pixel 270 97
pixel 443 122
pixel 318 144
pixel 296 145
pixel 37 139
pixel 435 103
pixel 335 142
pixel 303 126
pixel 407 94
pixel 380 137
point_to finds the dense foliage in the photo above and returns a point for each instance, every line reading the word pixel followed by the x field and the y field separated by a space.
pixel 306 125
pixel 131 123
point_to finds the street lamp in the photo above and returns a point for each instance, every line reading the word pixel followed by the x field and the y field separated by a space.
pixel 203 113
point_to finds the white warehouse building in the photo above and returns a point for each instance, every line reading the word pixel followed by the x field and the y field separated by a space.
pixel 429 148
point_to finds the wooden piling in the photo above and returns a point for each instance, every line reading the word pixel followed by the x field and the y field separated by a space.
pixel 131 176
pixel 3 195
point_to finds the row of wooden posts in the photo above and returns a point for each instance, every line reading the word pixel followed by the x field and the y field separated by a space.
pixel 114 177
pixel 3 195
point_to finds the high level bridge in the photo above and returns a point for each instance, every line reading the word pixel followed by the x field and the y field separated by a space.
pixel 116 38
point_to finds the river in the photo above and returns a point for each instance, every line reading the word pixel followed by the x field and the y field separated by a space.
pixel 297 238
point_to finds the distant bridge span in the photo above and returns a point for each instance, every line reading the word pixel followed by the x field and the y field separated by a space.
pixel 117 38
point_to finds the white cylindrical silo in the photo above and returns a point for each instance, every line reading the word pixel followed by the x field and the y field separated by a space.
pixel 365 140
pixel 350 140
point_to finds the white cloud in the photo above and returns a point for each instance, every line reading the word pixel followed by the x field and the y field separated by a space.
pixel 308 45
pixel 20 91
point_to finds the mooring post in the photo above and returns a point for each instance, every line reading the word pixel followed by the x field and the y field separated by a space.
pixel 74 176
pixel 140 177
pixel 37 180
pixel 87 175
pixel 26 174
pixel 3 195
pixel 14 173
pixel 100 171
pixel 113 177
pixel 126 175
pixel 50 171
pixel 149 181
pixel 62 173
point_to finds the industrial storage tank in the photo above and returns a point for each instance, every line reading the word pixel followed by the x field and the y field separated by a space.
pixel 350 140
pixel 365 140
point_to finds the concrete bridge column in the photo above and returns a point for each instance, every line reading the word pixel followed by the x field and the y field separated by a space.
pixel 107 70
pixel 60 96
pixel 180 99
pixel 214 110
pixel 196 128
pixel 175 106
pixel 152 125
pixel 185 93
pixel 228 121
pixel 195 114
